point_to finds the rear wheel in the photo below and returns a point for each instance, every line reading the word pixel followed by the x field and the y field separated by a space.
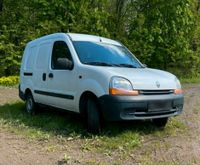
pixel 93 117
pixel 30 104
pixel 161 122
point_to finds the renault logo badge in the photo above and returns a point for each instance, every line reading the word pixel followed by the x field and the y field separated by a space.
pixel 158 84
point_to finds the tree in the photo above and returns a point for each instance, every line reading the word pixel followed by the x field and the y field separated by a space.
pixel 1 5
pixel 163 34
pixel 159 33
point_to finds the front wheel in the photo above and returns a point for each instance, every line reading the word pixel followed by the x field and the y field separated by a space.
pixel 30 104
pixel 161 122
pixel 93 117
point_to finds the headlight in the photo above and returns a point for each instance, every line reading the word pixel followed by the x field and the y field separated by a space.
pixel 121 86
pixel 178 84
pixel 178 89
pixel 120 83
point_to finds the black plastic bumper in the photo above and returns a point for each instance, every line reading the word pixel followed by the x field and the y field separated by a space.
pixel 116 108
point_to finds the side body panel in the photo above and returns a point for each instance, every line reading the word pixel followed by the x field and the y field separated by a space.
pixel 40 71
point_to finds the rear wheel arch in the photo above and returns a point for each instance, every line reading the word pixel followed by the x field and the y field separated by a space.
pixel 30 104
pixel 27 91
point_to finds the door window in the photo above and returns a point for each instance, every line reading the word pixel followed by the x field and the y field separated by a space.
pixel 60 51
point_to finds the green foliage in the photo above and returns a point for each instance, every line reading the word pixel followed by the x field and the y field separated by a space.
pixel 9 81
pixel 159 34
pixel 191 80
pixel 162 34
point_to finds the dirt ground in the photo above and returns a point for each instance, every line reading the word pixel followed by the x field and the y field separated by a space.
pixel 8 95
pixel 184 148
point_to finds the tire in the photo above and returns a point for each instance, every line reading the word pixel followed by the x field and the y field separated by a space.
pixel 93 117
pixel 30 104
pixel 161 122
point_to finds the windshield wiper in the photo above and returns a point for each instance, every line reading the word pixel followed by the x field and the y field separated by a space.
pixel 127 65
pixel 99 63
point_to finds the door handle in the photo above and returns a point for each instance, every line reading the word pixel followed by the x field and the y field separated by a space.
pixel 44 76
pixel 50 75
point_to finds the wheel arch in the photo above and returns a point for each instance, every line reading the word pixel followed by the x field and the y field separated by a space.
pixel 83 101
pixel 27 91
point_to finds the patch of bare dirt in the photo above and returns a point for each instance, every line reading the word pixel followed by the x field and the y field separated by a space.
pixel 17 150
pixel 8 94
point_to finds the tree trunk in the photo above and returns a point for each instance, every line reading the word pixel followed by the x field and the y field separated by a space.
pixel 1 5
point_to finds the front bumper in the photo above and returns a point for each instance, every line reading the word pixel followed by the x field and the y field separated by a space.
pixel 116 108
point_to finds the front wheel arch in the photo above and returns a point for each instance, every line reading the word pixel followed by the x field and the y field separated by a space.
pixel 92 116
pixel 83 101
pixel 94 122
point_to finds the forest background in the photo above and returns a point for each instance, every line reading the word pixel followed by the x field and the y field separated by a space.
pixel 162 34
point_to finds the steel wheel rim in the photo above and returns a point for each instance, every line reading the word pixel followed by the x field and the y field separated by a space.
pixel 29 105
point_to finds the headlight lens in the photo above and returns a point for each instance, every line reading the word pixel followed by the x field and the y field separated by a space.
pixel 120 83
pixel 178 84
pixel 178 89
pixel 121 86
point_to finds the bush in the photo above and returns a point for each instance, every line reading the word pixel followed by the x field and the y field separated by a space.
pixel 9 81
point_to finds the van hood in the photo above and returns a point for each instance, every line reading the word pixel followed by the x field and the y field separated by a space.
pixel 144 78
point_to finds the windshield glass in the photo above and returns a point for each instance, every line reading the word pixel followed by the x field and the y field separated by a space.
pixel 103 54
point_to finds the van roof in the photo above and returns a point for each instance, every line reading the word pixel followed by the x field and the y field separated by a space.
pixel 94 38
pixel 76 37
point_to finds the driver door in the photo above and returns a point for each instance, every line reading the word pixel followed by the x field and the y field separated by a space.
pixel 61 82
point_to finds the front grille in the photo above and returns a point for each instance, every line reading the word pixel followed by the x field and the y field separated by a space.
pixel 159 105
pixel 156 92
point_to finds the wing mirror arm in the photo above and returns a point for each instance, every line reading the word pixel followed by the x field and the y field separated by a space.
pixel 144 65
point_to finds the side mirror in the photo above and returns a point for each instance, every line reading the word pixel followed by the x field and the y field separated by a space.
pixel 64 64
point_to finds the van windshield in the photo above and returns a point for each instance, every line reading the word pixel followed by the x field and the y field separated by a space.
pixel 103 54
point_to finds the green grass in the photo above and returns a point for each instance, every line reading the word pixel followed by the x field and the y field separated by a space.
pixel 50 124
pixel 190 80
pixel 44 125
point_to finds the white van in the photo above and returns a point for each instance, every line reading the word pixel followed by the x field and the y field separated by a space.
pixel 96 77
